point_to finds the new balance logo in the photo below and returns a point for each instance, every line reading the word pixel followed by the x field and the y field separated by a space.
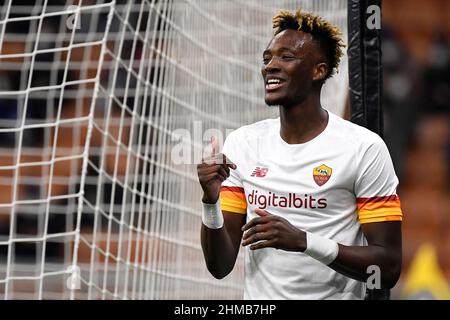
pixel 259 172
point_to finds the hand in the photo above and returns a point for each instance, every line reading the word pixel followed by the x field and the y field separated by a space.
pixel 273 231
pixel 212 172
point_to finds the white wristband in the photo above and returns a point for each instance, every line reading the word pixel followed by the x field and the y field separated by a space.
pixel 320 248
pixel 212 215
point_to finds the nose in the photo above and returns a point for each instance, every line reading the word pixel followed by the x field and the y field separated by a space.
pixel 271 66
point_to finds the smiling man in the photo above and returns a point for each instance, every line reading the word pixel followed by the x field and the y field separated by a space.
pixel 311 196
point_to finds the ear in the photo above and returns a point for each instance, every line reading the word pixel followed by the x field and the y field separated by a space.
pixel 320 71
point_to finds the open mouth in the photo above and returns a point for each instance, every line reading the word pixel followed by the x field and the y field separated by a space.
pixel 273 84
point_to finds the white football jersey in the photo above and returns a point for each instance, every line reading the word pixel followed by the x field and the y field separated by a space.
pixel 328 186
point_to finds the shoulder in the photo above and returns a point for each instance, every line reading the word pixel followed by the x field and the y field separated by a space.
pixel 360 137
pixel 368 148
pixel 242 142
pixel 257 130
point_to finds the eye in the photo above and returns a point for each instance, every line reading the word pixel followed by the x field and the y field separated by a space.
pixel 287 57
pixel 266 60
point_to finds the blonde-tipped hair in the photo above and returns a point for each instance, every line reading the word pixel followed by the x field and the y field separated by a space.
pixel 328 36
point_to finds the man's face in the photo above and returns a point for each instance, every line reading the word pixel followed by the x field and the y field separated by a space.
pixel 289 67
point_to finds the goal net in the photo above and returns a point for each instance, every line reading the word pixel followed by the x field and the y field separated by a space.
pixel 105 107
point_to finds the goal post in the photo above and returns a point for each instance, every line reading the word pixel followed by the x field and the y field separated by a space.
pixel 105 108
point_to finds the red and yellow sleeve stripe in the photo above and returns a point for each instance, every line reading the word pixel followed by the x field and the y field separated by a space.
pixel 233 199
pixel 376 209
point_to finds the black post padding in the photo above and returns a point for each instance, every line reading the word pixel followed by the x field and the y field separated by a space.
pixel 373 75
pixel 355 62
pixel 365 81
pixel 365 67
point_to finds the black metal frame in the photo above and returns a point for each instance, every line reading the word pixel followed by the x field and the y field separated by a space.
pixel 365 81
pixel 365 67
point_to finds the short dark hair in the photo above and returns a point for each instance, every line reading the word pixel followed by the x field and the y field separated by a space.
pixel 328 36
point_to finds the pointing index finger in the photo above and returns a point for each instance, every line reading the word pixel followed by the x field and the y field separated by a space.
pixel 214 146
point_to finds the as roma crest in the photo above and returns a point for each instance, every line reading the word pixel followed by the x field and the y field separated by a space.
pixel 322 174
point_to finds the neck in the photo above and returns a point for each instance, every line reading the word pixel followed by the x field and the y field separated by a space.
pixel 304 121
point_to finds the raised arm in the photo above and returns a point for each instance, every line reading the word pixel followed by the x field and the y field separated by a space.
pixel 220 237
pixel 221 246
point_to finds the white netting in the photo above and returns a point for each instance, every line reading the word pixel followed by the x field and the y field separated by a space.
pixel 95 98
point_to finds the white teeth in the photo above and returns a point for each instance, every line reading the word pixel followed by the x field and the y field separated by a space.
pixel 272 83
pixel 275 81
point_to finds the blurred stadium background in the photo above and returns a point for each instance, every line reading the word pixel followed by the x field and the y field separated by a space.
pixel 416 102
pixel 89 113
